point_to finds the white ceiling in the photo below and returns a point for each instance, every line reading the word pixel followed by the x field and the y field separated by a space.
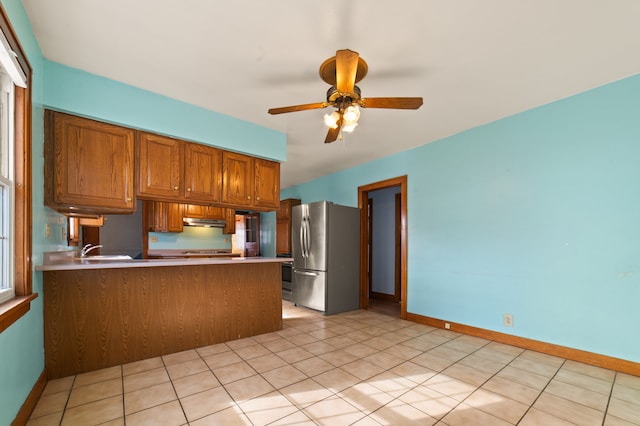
pixel 472 61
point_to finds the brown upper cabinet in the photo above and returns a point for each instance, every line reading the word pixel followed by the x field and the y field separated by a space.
pixel 267 181
pixel 176 170
pixel 160 166
pixel 237 179
pixel 250 182
pixel 204 212
pixel 160 216
pixel 94 168
pixel 89 165
pixel 202 173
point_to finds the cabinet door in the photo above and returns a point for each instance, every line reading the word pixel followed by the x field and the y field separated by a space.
pixel 202 173
pixel 195 211
pixel 267 183
pixel 284 210
pixel 283 237
pixel 175 214
pixel 216 212
pixel 155 216
pixel 163 217
pixel 160 163
pixel 237 179
pixel 90 165
pixel 230 217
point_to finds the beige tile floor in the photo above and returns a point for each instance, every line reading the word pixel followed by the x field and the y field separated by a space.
pixel 359 368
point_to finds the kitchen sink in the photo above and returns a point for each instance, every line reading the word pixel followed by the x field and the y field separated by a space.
pixel 106 258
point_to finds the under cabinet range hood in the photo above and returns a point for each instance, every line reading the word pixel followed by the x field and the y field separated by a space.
pixel 209 223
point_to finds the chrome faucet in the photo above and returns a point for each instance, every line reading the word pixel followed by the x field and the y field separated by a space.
pixel 89 247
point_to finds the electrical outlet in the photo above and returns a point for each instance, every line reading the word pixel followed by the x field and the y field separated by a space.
pixel 47 230
pixel 153 239
pixel 507 320
pixel 447 326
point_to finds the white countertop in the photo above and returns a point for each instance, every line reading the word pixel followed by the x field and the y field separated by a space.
pixel 155 253
pixel 70 264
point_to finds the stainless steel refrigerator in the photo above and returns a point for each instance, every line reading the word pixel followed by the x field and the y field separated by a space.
pixel 326 257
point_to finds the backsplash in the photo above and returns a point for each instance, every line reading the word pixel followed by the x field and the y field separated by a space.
pixel 192 237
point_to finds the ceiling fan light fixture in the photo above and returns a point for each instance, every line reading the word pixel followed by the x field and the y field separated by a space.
pixel 349 127
pixel 352 114
pixel 342 72
pixel 331 120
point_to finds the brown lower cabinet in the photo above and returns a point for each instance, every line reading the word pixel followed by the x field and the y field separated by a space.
pixel 98 318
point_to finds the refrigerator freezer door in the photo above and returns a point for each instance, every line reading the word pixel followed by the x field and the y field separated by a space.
pixel 309 289
pixel 309 236
pixel 316 236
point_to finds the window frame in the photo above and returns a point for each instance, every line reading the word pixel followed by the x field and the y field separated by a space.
pixel 19 305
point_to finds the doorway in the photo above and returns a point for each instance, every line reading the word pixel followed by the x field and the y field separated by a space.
pixel 246 239
pixel 396 256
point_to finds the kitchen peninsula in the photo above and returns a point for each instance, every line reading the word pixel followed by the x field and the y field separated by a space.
pixel 100 313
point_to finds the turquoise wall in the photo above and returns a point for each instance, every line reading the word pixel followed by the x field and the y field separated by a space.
pixel 66 89
pixel 81 93
pixel 78 92
pixel 534 215
pixel 193 237
pixel 21 345
pixel 268 234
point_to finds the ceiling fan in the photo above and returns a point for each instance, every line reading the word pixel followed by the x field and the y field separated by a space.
pixel 342 72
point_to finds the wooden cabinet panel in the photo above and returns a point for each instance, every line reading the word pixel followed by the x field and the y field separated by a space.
pixel 230 218
pixel 250 182
pixel 163 217
pixel 160 163
pixel 195 211
pixel 283 225
pixel 267 183
pixel 174 170
pixel 175 214
pixel 96 168
pixel 203 173
pixel 204 212
pixel 89 165
pixel 283 237
pixel 237 179
pixel 98 318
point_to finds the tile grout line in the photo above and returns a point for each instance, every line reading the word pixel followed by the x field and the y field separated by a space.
pixel 541 392
pixel 343 327
pixel 606 408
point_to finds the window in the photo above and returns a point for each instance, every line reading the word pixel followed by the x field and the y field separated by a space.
pixel 15 178
pixel 6 187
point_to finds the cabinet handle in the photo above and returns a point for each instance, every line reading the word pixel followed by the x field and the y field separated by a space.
pixel 248 197
pixel 188 189
pixel 175 188
pixel 128 199
pixel 258 198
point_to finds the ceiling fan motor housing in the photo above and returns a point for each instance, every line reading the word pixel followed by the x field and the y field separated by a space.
pixel 342 100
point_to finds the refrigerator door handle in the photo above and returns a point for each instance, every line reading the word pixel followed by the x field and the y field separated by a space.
pixel 307 237
pixel 311 274
pixel 302 237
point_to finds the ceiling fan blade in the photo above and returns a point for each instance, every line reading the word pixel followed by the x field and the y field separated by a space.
pixel 332 134
pixel 346 68
pixel 391 103
pixel 295 108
